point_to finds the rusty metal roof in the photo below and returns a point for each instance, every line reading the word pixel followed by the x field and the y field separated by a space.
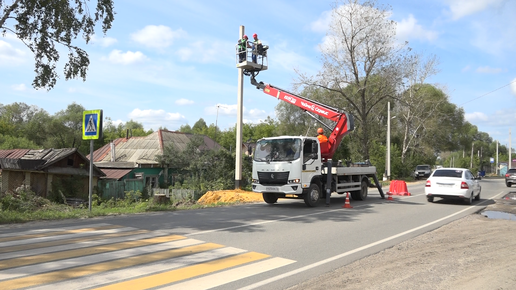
pixel 143 150
pixel 101 153
pixel 13 153
pixel 41 159
pixel 115 173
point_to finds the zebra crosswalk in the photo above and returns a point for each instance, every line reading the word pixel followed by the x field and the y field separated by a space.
pixel 105 256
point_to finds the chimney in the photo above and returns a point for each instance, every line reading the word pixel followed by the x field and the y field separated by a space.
pixel 113 154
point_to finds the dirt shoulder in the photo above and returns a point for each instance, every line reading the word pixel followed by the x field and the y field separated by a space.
pixel 474 252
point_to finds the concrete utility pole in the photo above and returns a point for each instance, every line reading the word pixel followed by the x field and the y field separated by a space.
pixel 388 140
pixel 496 164
pixel 509 165
pixel 471 162
pixel 238 149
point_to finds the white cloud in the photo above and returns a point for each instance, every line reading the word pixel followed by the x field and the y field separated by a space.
pixel 157 118
pixel 118 57
pixel 257 113
pixel 462 8
pixel 117 122
pixel 466 68
pixel 488 70
pixel 501 118
pixel 321 25
pixel 476 117
pixel 222 109
pixel 409 29
pixel 513 87
pixel 19 87
pixel 103 41
pixel 157 36
pixel 10 54
pixel 208 52
pixel 289 60
pixel 183 102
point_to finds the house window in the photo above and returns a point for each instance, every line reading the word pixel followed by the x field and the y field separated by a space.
pixel 151 181
pixel 70 161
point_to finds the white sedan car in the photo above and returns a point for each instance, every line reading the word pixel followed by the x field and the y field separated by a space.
pixel 457 183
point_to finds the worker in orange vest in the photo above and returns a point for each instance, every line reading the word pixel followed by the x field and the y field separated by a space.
pixel 322 138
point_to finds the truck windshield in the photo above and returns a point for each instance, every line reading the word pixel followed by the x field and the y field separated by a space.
pixel 287 149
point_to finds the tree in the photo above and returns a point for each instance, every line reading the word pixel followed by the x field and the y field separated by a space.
pixel 10 142
pixel 418 103
pixel 185 129
pixel 24 121
pixel 421 106
pixel 197 168
pixel 41 25
pixel 360 63
pixel 65 129
pixel 200 127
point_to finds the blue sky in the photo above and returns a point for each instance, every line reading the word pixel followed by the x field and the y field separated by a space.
pixel 169 63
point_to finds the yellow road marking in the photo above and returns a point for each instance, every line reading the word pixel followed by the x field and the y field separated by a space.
pixel 69 241
pixel 186 272
pixel 57 233
pixel 224 277
pixel 71 273
pixel 36 259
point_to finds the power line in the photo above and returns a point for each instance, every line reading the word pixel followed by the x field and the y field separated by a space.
pixel 489 92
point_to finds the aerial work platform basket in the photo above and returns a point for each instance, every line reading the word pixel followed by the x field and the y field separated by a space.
pixel 252 60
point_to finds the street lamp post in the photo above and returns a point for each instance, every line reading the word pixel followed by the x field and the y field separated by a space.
pixel 217 119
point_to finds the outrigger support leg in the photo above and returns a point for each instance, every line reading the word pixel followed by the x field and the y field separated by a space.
pixel 328 182
pixel 378 185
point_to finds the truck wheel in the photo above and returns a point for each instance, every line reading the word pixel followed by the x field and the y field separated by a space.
pixel 270 198
pixel 312 196
pixel 362 193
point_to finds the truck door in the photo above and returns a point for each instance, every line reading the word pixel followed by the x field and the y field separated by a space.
pixel 311 159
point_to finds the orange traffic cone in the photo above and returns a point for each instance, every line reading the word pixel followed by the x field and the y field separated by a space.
pixel 390 196
pixel 347 204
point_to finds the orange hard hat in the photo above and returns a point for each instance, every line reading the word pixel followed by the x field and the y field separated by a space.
pixel 320 131
pixel 255 35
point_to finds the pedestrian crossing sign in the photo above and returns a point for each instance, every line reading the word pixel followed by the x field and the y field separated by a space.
pixel 92 124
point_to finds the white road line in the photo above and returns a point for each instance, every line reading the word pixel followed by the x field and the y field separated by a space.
pixel 141 271
pixel 228 276
pixel 92 259
pixel 75 246
pixel 64 237
pixel 39 231
pixel 331 259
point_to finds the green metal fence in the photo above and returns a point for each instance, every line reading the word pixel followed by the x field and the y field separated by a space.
pixel 116 189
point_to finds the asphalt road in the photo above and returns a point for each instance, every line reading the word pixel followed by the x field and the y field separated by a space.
pixel 253 246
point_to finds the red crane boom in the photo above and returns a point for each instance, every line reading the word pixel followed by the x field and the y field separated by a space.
pixel 344 122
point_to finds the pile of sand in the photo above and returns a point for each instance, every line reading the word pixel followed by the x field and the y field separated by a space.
pixel 230 196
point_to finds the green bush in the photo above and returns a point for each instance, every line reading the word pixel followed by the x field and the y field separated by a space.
pixel 22 200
